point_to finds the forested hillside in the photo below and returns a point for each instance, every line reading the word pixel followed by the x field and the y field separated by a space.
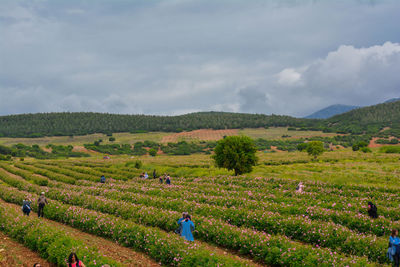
pixel 382 119
pixel 53 124
pixel 371 120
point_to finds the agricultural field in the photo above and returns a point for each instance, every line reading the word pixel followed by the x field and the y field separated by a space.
pixel 274 133
pixel 252 220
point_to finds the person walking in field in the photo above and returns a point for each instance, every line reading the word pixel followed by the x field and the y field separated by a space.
pixel 154 174
pixel 168 180
pixel 102 179
pixel 394 247
pixel 299 188
pixel 42 201
pixel 372 210
pixel 73 261
pixel 180 220
pixel 188 228
pixel 26 206
pixel 146 175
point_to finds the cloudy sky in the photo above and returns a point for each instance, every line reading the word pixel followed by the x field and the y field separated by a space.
pixel 179 56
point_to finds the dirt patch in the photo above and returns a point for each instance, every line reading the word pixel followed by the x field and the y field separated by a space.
pixel 13 253
pixel 82 149
pixel 372 142
pixel 107 248
pixel 203 134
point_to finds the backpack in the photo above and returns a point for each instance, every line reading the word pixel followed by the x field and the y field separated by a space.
pixel 26 208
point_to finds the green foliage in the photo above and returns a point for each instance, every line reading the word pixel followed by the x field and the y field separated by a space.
pixel 111 139
pixel 302 147
pixel 236 153
pixel 138 164
pixel 366 150
pixel 390 149
pixel 359 145
pixel 152 152
pixel 315 148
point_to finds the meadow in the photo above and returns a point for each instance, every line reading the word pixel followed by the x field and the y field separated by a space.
pixel 250 220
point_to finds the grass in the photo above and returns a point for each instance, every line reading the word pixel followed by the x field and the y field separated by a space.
pixel 121 138
pixel 338 167
pixel 276 133
pixel 129 138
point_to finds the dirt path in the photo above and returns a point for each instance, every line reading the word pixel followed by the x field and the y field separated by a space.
pixel 108 248
pixel 13 253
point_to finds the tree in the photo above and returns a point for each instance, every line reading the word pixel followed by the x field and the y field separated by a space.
pixel 111 139
pixel 152 152
pixel 236 153
pixel 315 148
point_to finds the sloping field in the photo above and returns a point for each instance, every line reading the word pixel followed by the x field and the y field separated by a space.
pixel 261 219
pixel 203 134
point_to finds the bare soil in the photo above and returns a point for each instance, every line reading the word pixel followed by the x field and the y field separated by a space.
pixel 203 134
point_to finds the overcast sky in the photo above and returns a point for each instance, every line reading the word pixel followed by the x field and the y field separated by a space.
pixel 179 56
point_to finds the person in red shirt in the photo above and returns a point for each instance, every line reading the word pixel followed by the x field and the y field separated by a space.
pixel 73 261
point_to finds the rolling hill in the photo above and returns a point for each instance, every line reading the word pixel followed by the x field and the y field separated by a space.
pixel 369 120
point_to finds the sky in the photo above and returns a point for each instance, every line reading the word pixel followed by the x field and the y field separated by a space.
pixel 175 57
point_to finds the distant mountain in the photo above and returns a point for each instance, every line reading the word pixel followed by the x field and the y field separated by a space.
pixel 330 111
pixel 392 100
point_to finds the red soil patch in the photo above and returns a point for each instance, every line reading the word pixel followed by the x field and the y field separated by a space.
pixel 203 134
pixel 81 149
pixel 372 142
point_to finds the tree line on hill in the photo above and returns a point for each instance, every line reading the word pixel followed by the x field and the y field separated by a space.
pixel 368 120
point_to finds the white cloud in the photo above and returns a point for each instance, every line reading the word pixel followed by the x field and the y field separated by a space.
pixel 288 77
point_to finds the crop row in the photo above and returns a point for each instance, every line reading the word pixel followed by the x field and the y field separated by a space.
pixel 326 234
pixel 166 248
pixel 270 249
pixel 352 220
pixel 53 244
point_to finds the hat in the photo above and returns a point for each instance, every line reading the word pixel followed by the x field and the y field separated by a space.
pixel 42 193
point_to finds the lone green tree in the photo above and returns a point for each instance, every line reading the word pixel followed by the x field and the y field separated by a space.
pixel 315 148
pixel 152 152
pixel 236 153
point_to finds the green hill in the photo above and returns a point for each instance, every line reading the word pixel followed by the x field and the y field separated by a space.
pixel 367 120
pixel 58 124
pixel 370 120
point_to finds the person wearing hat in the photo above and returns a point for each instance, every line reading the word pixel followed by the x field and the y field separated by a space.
pixel 42 201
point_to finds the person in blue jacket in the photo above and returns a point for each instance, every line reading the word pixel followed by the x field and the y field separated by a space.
pixel 187 228
pixel 180 220
pixel 394 241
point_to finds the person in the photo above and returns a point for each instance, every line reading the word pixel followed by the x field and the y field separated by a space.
pixel 372 210
pixel 154 174
pixel 142 175
pixel 299 188
pixel 26 206
pixel 42 201
pixel 146 175
pixel 161 179
pixel 187 228
pixel 73 261
pixel 102 179
pixel 179 222
pixel 168 179
pixel 394 247
pixel 37 265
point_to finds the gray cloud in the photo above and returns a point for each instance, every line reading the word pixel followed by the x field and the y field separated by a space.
pixel 172 57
